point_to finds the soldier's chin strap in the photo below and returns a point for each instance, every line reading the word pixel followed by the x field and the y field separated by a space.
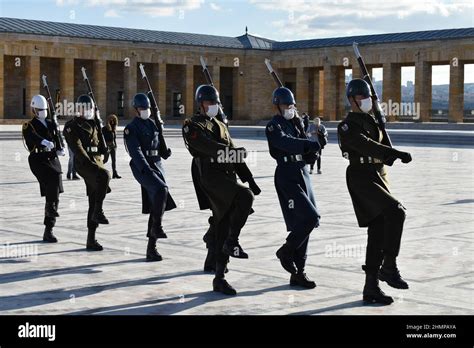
pixel 355 101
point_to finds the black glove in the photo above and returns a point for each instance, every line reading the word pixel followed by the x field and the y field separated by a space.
pixel 311 146
pixel 254 187
pixel 404 156
pixel 166 154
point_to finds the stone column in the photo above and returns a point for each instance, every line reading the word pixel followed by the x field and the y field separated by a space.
pixel 238 95
pixel 2 85
pixel 456 92
pixel 189 90
pixel 161 97
pixel 302 87
pixel 341 93
pixel 423 89
pixel 392 90
pixel 100 86
pixel 130 87
pixel 66 81
pixel 315 89
pixel 330 92
pixel 33 79
pixel 215 72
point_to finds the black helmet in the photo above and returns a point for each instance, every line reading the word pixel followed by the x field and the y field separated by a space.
pixel 207 93
pixel 85 99
pixel 140 100
pixel 358 87
pixel 283 95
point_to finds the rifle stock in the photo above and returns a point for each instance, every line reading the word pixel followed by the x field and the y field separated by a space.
pixel 52 112
pixel 98 121
pixel 378 113
pixel 163 149
pixel 209 80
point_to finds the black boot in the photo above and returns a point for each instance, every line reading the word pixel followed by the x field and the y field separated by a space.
pixel 157 232
pixel 92 243
pixel 115 175
pixel 232 248
pixel 300 279
pixel 98 214
pixel 390 274
pixel 68 176
pixel 48 235
pixel 75 177
pixel 210 262
pixel 372 292
pixel 221 285
pixel 152 254
pixel 285 254
pixel 50 210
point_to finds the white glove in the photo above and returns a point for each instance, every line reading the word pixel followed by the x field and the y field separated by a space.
pixel 60 152
pixel 48 144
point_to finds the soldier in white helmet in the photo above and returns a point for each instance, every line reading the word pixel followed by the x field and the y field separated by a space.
pixel 39 135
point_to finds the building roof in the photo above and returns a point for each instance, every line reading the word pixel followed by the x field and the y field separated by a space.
pixel 247 41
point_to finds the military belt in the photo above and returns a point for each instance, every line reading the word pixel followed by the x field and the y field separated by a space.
pixel 291 158
pixel 152 153
pixel 92 149
pixel 365 160
pixel 36 150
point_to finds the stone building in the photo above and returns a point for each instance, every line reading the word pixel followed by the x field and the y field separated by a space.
pixel 313 69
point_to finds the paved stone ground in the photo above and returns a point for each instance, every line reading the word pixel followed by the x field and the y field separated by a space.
pixel 436 256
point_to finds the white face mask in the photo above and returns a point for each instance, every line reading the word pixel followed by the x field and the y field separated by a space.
pixel 89 114
pixel 42 114
pixel 366 105
pixel 145 114
pixel 288 114
pixel 212 111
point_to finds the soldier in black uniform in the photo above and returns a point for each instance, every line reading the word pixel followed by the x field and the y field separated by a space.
pixel 42 143
pixel 142 140
pixel 290 147
pixel 214 158
pixel 245 175
pixel 82 136
pixel 110 136
pixel 363 144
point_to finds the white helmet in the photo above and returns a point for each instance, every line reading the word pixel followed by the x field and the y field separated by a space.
pixel 39 102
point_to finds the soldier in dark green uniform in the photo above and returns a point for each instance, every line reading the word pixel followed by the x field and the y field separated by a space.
pixel 39 135
pixel 363 144
pixel 82 136
pixel 215 157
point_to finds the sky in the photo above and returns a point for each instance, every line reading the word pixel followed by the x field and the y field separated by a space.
pixel 280 20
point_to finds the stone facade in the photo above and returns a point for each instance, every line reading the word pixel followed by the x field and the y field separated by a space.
pixel 316 75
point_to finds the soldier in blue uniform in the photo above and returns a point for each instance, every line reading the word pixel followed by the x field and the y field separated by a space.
pixel 290 147
pixel 142 142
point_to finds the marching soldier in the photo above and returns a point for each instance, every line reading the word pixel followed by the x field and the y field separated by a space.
pixel 142 142
pixel 110 136
pixel 362 143
pixel 289 147
pixel 39 135
pixel 214 159
pixel 81 134
pixel 245 175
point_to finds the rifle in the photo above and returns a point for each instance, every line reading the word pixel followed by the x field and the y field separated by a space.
pixel 52 112
pixel 378 113
pixel 164 151
pixel 209 80
pixel 98 121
